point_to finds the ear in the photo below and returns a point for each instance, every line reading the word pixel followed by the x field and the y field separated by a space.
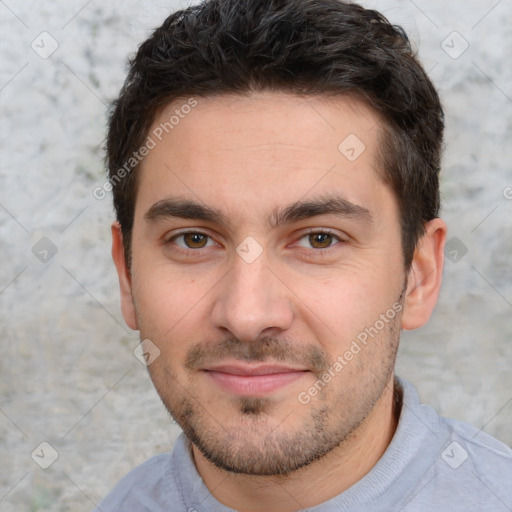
pixel 425 276
pixel 125 279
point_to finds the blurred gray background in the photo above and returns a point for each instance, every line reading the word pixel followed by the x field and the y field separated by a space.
pixel 68 376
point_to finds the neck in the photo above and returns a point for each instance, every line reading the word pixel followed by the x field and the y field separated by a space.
pixel 316 483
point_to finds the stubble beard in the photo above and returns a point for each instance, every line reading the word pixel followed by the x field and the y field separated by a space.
pixel 259 444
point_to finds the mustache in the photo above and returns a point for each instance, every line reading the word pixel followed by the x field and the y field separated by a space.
pixel 263 349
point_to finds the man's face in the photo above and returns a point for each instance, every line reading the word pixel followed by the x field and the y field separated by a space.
pixel 261 253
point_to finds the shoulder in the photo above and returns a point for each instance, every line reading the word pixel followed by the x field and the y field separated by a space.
pixel 147 487
pixel 478 446
pixel 485 455
pixel 473 469
pixel 462 467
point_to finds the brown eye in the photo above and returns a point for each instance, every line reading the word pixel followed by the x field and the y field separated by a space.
pixel 192 243
pixel 195 240
pixel 320 240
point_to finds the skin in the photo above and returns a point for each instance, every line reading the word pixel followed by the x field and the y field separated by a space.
pixel 301 302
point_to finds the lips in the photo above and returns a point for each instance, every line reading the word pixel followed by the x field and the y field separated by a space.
pixel 253 380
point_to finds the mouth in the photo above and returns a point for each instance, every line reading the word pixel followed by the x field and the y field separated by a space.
pixel 253 380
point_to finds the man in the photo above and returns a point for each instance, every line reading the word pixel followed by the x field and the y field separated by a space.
pixel 274 166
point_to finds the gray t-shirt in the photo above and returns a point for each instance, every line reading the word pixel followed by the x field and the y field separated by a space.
pixel 432 464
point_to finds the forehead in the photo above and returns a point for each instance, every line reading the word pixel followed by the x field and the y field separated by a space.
pixel 261 150
pixel 260 115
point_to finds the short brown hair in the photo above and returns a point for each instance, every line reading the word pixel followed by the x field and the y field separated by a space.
pixel 304 47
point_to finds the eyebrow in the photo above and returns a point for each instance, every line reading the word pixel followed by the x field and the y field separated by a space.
pixel 325 205
pixel 301 210
pixel 184 209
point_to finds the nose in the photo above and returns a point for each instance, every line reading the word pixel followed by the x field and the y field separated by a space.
pixel 251 301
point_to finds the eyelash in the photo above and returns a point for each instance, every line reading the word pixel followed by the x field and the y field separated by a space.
pixel 337 240
pixel 187 250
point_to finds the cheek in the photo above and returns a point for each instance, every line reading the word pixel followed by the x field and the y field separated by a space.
pixel 173 307
pixel 343 305
pixel 163 299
